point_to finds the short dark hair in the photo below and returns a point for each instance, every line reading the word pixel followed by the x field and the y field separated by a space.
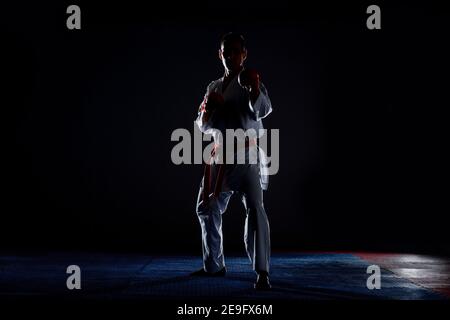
pixel 233 36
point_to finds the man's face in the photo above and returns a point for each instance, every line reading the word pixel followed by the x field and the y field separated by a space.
pixel 232 55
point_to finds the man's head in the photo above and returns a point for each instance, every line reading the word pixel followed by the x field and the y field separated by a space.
pixel 232 51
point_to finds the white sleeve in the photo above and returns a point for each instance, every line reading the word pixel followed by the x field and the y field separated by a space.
pixel 205 127
pixel 262 106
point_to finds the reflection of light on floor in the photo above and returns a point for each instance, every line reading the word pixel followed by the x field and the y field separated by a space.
pixel 419 273
pixel 426 271
pixel 414 258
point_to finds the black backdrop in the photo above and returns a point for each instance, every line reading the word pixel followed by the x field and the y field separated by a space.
pixel 88 116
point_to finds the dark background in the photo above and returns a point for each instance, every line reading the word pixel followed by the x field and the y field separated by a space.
pixel 88 115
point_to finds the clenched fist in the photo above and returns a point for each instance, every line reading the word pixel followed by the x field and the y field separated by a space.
pixel 249 80
pixel 214 101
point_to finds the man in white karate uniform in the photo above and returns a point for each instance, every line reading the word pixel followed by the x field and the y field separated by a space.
pixel 236 101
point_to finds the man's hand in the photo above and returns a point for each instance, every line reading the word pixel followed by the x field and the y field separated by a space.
pixel 212 102
pixel 249 80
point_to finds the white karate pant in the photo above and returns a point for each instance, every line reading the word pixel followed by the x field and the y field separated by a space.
pixel 244 179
